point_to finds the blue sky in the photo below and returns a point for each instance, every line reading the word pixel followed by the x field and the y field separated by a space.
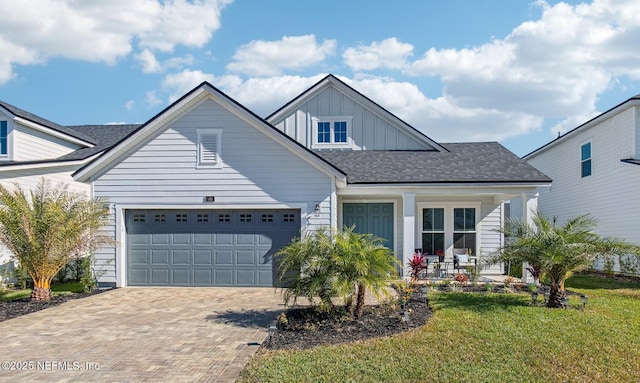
pixel 516 71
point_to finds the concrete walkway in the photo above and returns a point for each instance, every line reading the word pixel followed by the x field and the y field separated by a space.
pixel 140 335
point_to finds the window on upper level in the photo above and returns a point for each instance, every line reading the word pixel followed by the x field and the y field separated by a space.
pixel 3 138
pixel 331 132
pixel 585 159
pixel 209 148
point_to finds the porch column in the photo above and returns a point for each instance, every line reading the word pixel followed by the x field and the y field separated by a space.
pixel 529 209
pixel 408 228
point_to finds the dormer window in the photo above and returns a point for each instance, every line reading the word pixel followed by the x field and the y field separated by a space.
pixel 332 132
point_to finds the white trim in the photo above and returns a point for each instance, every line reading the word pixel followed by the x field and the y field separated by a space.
pixel 331 144
pixel 53 133
pixel 448 222
pixel 121 235
pixel 44 164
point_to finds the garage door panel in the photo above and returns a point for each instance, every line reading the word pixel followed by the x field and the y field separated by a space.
pixel 245 277
pixel 223 239
pixel 159 257
pixel 138 239
pixel 160 276
pixel 245 257
pixel 160 239
pixel 181 238
pixel 214 248
pixel 203 239
pixel 223 257
pixel 181 277
pixel 181 257
pixel 203 277
pixel 203 257
pixel 223 277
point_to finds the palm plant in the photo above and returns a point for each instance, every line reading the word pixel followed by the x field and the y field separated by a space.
pixel 363 263
pixel 48 227
pixel 556 251
pixel 329 264
pixel 305 269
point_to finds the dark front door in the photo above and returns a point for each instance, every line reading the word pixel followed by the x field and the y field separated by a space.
pixel 371 218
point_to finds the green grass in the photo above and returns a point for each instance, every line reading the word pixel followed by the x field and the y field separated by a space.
pixel 486 338
pixel 60 289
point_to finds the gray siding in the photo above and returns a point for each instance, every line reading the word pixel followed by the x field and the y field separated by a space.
pixel 257 170
pixel 610 194
pixel 29 144
pixel 369 130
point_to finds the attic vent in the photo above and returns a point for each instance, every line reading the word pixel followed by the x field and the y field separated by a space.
pixel 209 144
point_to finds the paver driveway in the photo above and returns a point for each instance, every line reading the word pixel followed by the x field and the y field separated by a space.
pixel 140 335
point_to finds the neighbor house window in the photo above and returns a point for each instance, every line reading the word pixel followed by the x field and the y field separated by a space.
pixel 331 131
pixel 209 148
pixel 585 162
pixel 3 138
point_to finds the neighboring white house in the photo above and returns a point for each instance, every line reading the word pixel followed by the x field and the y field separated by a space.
pixel 32 147
pixel 596 170
pixel 206 191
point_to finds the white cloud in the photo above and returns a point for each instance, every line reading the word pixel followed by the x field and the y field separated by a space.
pixel 151 99
pixel 181 83
pixel 150 63
pixel 264 95
pixel 31 31
pixel 270 58
pixel 129 105
pixel 553 67
pixel 389 53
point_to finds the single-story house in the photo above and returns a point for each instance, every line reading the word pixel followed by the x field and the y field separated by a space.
pixel 206 191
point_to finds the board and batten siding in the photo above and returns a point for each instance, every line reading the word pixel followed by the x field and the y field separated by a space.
pixel 369 130
pixel 610 194
pixel 31 145
pixel 256 171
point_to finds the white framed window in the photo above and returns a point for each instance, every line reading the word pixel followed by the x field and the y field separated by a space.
pixel 585 160
pixel 332 132
pixel 446 227
pixel 210 148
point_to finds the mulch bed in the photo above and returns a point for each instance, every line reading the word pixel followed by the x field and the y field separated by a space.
pixel 24 306
pixel 306 327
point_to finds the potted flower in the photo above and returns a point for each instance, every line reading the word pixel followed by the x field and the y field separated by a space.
pixel 440 255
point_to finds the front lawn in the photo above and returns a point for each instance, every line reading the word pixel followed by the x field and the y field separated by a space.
pixel 486 338
pixel 60 289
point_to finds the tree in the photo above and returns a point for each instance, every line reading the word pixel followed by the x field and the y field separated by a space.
pixel 363 263
pixel 47 227
pixel 329 264
pixel 556 251
pixel 305 269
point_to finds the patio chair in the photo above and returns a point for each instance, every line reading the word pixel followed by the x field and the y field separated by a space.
pixel 462 260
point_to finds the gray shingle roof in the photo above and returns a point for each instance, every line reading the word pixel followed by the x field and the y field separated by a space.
pixel 105 136
pixel 483 162
pixel 44 122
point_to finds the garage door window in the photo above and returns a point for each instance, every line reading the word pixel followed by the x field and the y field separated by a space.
pixel 223 218
pixel 139 217
pixel 202 217
pixel 160 218
pixel 182 218
pixel 245 218
pixel 288 218
pixel 267 218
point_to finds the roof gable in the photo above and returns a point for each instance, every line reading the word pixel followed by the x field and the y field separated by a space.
pixel 332 82
pixel 204 91
pixel 633 101
pixel 39 123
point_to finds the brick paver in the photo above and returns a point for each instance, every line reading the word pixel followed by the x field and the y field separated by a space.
pixel 140 335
